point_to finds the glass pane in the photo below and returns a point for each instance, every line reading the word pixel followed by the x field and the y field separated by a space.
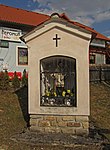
pixel 92 59
pixel 22 56
pixel 58 81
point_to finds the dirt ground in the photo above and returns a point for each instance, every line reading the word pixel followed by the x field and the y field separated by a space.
pixel 14 120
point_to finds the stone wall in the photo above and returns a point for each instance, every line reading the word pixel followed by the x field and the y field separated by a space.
pixel 78 125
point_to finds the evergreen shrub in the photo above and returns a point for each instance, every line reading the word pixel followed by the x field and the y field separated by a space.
pixel 24 79
pixel 15 81
pixel 4 81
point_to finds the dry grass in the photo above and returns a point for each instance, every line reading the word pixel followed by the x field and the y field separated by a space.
pixel 100 108
pixel 11 119
pixel 13 116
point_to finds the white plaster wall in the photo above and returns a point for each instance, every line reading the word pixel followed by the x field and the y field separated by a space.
pixel 100 59
pixel 70 45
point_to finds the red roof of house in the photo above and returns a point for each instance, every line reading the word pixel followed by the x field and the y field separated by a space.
pixel 15 15
pixel 98 35
pixel 20 16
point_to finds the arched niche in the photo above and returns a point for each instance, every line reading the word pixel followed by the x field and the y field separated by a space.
pixel 58 81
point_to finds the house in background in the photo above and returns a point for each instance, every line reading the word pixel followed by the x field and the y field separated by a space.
pixel 13 24
pixel 99 50
pixel 16 22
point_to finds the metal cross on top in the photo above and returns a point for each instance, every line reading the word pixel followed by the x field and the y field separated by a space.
pixel 56 39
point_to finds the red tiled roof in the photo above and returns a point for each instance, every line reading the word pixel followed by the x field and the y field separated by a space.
pixel 98 35
pixel 20 16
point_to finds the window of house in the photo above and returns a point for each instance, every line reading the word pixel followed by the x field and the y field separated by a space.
pixel 58 81
pixel 4 44
pixel 92 59
pixel 22 56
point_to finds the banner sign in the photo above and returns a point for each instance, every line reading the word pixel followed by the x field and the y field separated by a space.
pixel 11 35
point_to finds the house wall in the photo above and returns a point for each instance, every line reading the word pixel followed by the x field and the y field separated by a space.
pixel 100 59
pixel 9 56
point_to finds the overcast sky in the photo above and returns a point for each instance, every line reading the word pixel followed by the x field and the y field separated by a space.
pixel 94 13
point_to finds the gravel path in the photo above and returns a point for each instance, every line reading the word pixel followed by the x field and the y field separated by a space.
pixel 95 142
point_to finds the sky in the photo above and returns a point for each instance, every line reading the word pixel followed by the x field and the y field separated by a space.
pixel 93 13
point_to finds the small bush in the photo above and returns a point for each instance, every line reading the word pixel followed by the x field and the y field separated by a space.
pixel 15 81
pixel 4 80
pixel 24 79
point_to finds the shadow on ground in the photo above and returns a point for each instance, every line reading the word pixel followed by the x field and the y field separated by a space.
pixel 100 134
pixel 106 146
pixel 103 132
pixel 22 94
pixel 98 131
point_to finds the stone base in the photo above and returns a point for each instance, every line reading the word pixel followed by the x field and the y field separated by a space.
pixel 78 125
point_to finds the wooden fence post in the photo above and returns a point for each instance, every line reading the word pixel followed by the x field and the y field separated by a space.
pixel 100 73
